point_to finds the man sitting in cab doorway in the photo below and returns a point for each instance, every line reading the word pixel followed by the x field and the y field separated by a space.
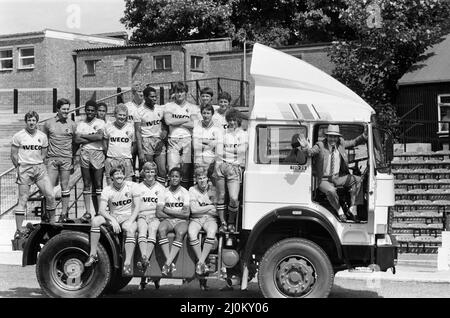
pixel 330 167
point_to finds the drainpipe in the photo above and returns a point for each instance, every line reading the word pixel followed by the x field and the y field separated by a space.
pixel 183 49
pixel 74 56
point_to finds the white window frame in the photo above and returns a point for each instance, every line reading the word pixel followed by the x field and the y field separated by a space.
pixel 94 63
pixel 440 115
pixel 195 58
pixel 20 66
pixel 7 58
pixel 163 57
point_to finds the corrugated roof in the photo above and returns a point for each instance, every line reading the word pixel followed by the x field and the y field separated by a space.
pixel 46 31
pixel 7 36
pixel 434 69
pixel 141 45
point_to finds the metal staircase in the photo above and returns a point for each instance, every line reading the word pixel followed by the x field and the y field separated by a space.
pixel 422 193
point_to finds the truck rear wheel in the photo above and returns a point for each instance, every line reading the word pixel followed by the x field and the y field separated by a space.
pixel 295 267
pixel 60 267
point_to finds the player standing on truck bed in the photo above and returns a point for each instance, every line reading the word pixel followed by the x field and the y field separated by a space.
pixel 228 170
pixel 60 131
pixel 124 201
pixel 28 150
pixel 89 135
pixel 206 136
pixel 118 143
pixel 180 116
pixel 224 100
pixel 151 133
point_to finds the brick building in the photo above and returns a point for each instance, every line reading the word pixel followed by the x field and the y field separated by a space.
pixel 37 62
pixel 40 61
pixel 427 84
pixel 103 69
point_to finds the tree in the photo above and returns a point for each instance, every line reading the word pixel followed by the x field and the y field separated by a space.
pixel 174 20
pixel 274 23
pixel 390 37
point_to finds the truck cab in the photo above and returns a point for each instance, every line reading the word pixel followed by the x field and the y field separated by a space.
pixel 287 233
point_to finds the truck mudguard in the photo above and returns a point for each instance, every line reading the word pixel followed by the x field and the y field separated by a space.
pixel 290 213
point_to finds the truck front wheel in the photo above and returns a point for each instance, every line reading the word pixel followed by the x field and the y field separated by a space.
pixel 60 267
pixel 295 267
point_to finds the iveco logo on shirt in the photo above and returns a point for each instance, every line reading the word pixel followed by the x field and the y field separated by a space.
pixel 174 205
pixel 119 139
pixel 230 145
pixel 153 122
pixel 122 203
pixel 203 203
pixel 180 116
pixel 149 199
pixel 32 147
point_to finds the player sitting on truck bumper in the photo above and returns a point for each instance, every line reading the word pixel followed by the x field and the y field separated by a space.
pixel 174 214
pixel 147 221
pixel 204 215
pixel 123 198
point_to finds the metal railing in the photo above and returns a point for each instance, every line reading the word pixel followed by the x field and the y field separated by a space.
pixel 423 131
pixel 21 100
pixel 238 89
pixel 8 190
pixel 8 186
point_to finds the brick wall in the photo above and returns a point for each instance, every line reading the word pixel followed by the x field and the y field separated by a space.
pixel 119 68
pixel 26 78
pixel 54 68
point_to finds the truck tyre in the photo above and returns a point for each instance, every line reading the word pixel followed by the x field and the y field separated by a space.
pixel 60 267
pixel 117 282
pixel 295 267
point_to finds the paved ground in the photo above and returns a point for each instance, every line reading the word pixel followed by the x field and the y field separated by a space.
pixel 16 281
pixel 416 276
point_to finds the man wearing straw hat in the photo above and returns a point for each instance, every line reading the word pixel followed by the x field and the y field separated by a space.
pixel 330 167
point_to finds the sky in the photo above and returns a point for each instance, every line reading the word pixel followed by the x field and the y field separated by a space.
pixel 78 16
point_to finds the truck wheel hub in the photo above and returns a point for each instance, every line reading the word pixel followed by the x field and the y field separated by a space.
pixel 73 267
pixel 295 276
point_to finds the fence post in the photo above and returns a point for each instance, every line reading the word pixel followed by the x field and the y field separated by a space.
pixel 219 89
pixel 55 98
pixel 161 95
pixel 197 90
pixel 119 97
pixel 15 101
pixel 77 101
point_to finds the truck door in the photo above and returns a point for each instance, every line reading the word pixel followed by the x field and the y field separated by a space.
pixel 275 176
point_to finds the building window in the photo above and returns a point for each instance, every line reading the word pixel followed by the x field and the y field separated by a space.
pixel 6 59
pixel 444 112
pixel 90 67
pixel 196 63
pixel 26 57
pixel 162 62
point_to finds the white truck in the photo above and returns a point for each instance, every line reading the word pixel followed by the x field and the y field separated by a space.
pixel 287 234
